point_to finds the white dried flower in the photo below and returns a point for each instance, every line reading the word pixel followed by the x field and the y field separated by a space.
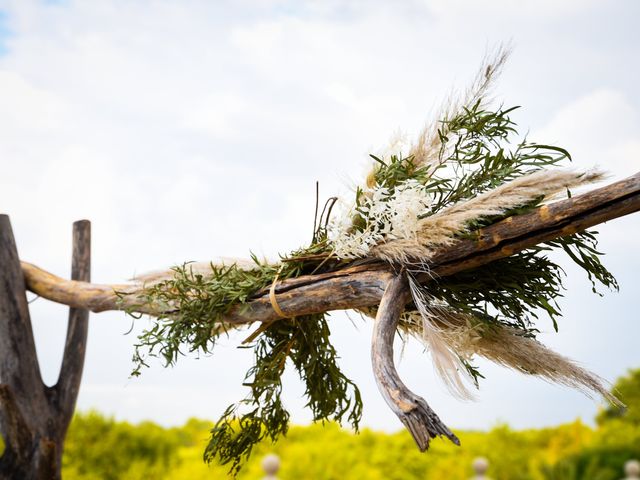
pixel 387 214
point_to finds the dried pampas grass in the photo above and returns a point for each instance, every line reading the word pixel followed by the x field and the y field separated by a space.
pixel 426 151
pixel 433 334
pixel 427 148
pixel 506 346
pixel 442 228
pixel 195 268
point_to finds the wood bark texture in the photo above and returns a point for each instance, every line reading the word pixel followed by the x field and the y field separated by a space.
pixel 413 411
pixel 34 417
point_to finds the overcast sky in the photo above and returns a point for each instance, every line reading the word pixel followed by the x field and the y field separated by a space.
pixel 187 130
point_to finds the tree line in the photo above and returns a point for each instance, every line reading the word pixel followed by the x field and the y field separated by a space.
pixel 101 448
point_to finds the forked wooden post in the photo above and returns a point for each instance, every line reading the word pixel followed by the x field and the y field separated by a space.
pixel 34 418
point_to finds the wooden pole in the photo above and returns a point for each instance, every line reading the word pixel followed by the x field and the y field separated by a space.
pixel 34 418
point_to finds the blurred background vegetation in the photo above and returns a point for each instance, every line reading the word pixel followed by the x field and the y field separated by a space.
pixel 98 448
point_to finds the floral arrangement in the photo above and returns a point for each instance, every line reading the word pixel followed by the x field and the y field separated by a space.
pixel 466 171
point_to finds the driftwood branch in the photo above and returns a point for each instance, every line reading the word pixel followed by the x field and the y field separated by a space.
pixel 363 285
pixel 413 411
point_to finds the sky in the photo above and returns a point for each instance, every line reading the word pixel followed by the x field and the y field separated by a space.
pixel 187 130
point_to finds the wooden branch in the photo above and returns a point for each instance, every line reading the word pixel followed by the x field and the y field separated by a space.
pixel 68 384
pixel 94 297
pixel 362 286
pixel 413 411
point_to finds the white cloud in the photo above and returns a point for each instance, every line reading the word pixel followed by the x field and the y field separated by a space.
pixel 216 115
pixel 538 10
pixel 600 128
pixel 25 106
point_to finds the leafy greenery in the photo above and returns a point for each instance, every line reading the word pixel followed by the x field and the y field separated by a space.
pixel 474 157
pixel 101 448
pixel 330 394
pixel 582 248
pixel 616 440
pixel 627 388
pixel 194 308
pixel 474 146
pixel 510 291
pixel 513 290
